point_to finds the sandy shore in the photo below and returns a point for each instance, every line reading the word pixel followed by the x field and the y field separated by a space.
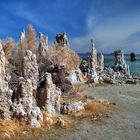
pixel 124 123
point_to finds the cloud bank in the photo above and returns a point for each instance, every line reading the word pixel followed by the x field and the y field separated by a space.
pixel 113 24
pixel 121 32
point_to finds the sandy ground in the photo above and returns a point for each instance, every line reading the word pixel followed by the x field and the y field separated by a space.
pixel 124 123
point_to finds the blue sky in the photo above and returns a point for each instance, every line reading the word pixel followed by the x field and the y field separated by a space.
pixel 114 24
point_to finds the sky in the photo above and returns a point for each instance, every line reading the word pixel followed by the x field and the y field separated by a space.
pixel 113 24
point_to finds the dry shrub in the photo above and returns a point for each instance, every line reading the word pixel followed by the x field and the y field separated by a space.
pixel 77 91
pixel 17 130
pixel 63 56
pixel 8 47
pixel 94 108
pixel 30 37
pixel 77 88
pixel 54 119
pixel 28 43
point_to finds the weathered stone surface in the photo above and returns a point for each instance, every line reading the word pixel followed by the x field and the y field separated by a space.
pixel 132 81
pixel 5 91
pixel 84 66
pixel 93 56
pixel 62 39
pixel 93 77
pixel 120 64
pixel 60 122
pixel 100 62
pixel 67 108
pixel 30 68
pixel 75 77
pixel 92 73
pixel 4 76
pixel 76 106
pixel 4 107
pixel 48 95
pixel 43 44
pixel 24 106
pixel 111 77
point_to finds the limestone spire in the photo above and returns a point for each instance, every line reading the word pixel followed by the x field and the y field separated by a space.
pixel 93 55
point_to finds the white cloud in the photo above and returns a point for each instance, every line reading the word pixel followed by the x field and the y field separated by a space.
pixel 111 33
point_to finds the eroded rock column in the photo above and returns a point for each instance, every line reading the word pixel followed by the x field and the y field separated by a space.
pixel 5 91
pixel 48 95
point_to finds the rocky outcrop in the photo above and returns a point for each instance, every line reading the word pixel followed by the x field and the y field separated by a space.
pixel 62 39
pixel 30 68
pixel 5 91
pixel 133 56
pixel 84 66
pixel 93 57
pixel 48 95
pixel 5 104
pixel 92 73
pixel 4 76
pixel 24 106
pixel 120 64
pixel 100 62
pixel 74 77
pixel 43 44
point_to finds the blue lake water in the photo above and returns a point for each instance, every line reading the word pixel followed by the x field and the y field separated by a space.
pixel 109 62
pixel 134 66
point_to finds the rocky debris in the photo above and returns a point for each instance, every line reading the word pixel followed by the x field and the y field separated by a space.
pixel 33 119
pixel 30 68
pixel 132 81
pixel 64 108
pixel 60 122
pixel 43 44
pixel 120 64
pixel 48 120
pixel 62 39
pixel 96 117
pixel 109 80
pixel 103 101
pixel 67 108
pixel 76 106
pixel 93 77
pixel 48 95
pixel 75 77
pixel 6 136
pixel 111 77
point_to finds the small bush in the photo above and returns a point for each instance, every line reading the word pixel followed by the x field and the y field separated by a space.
pixel 63 56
